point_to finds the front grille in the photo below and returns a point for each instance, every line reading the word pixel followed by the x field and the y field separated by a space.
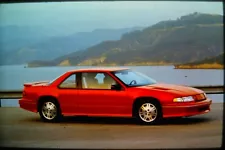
pixel 200 97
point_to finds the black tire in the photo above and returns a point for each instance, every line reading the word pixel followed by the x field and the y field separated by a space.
pixel 45 113
pixel 154 107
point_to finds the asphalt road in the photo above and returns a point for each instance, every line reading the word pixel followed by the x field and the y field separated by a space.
pixel 20 128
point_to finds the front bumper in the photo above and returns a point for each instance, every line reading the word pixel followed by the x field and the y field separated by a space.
pixel 191 109
pixel 29 105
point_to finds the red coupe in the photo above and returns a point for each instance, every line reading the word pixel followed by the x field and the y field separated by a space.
pixel 114 92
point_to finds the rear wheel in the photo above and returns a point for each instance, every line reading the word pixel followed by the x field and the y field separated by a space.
pixel 49 111
pixel 148 112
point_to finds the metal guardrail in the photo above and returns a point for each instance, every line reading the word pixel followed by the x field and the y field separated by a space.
pixel 11 94
pixel 17 94
pixel 211 89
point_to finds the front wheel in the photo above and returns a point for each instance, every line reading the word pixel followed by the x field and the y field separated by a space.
pixel 148 112
pixel 49 111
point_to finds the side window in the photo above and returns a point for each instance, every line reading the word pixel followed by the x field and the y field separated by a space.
pixel 97 81
pixel 70 82
pixel 108 81
pixel 89 80
pixel 100 77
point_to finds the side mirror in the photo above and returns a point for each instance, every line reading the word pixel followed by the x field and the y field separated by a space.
pixel 116 87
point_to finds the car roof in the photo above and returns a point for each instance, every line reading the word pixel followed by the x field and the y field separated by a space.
pixel 99 69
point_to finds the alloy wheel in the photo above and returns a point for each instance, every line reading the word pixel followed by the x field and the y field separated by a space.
pixel 49 110
pixel 148 112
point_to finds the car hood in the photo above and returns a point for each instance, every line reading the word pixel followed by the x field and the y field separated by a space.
pixel 177 89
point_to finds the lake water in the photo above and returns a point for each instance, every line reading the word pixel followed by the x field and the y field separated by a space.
pixel 13 77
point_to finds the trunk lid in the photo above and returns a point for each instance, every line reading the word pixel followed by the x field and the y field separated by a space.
pixel 39 83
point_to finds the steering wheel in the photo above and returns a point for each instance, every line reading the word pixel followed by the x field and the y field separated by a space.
pixel 133 81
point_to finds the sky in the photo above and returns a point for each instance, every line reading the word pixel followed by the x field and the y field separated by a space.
pixel 87 16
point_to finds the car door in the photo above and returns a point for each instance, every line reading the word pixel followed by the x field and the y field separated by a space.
pixel 67 94
pixel 97 98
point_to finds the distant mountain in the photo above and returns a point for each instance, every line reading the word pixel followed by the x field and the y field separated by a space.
pixel 190 38
pixel 216 62
pixel 13 37
pixel 79 41
pixel 20 45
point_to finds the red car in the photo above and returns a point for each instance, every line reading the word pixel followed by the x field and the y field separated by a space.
pixel 114 92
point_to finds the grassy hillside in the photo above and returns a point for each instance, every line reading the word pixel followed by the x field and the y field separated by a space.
pixel 189 38
pixel 208 63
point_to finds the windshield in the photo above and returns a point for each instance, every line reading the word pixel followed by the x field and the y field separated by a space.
pixel 133 78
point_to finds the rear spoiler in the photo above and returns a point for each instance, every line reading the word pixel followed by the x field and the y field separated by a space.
pixel 35 83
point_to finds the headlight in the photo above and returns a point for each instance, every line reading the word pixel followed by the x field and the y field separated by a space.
pixel 184 99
